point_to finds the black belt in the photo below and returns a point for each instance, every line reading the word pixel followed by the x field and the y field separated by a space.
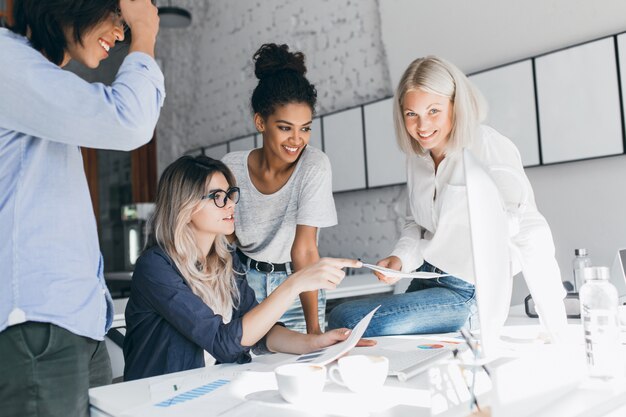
pixel 265 267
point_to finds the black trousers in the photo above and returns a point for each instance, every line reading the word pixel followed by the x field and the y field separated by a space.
pixel 46 370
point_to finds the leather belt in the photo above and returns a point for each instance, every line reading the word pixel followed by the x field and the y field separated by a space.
pixel 265 267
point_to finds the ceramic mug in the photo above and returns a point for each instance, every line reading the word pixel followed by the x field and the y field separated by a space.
pixel 300 382
pixel 360 373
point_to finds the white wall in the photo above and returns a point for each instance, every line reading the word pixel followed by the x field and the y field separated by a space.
pixel 584 203
pixel 480 34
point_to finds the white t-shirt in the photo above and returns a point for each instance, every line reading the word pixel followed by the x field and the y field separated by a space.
pixel 265 224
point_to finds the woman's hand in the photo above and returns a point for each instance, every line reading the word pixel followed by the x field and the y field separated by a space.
pixel 142 17
pixel 326 274
pixel 331 337
pixel 391 262
pixel 281 339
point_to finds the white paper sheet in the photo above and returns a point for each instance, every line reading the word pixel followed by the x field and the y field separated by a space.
pixel 391 273
pixel 329 354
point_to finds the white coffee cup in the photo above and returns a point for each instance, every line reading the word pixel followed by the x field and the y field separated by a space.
pixel 300 382
pixel 360 373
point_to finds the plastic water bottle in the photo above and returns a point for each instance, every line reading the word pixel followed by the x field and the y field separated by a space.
pixel 598 307
pixel 581 260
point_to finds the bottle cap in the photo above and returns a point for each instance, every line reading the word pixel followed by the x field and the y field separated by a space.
pixel 580 252
pixel 595 273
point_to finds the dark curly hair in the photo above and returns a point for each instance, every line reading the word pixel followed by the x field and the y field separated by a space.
pixel 281 79
pixel 47 19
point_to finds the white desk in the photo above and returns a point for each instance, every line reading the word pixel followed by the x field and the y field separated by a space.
pixel 252 391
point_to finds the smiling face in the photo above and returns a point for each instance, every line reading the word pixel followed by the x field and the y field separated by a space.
pixel 208 220
pixel 428 119
pixel 287 131
pixel 96 42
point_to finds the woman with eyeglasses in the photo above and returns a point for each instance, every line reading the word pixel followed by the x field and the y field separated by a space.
pixel 55 308
pixel 287 185
pixel 189 294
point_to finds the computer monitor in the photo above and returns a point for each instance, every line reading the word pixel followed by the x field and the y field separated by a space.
pixel 618 274
pixel 489 231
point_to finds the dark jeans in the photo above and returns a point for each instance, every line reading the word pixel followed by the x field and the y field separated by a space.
pixel 46 370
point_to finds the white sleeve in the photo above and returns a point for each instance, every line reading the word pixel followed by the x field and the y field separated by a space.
pixel 408 246
pixel 506 168
pixel 542 273
pixel 532 238
pixel 316 205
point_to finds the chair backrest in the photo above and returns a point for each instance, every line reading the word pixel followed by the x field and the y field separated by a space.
pixel 115 341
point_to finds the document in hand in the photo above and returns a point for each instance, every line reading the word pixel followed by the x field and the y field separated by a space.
pixel 330 353
pixel 392 273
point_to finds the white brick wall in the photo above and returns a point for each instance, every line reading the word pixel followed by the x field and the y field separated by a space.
pixel 210 75
pixel 369 224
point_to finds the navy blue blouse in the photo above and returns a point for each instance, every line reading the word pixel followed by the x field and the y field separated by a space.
pixel 168 327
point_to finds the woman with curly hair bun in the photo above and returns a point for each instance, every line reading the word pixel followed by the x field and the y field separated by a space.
pixel 286 185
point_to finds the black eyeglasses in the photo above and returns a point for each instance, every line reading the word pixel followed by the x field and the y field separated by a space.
pixel 219 197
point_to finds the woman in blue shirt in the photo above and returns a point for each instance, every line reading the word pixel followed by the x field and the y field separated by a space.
pixel 189 294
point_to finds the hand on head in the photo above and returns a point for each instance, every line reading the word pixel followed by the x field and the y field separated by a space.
pixel 391 262
pixel 326 274
pixel 141 16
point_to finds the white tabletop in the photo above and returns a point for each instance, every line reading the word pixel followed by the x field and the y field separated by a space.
pixel 250 390
pixel 253 387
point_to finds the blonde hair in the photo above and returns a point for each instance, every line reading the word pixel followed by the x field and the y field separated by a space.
pixel 437 76
pixel 179 196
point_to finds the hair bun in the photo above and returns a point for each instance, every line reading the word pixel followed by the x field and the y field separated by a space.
pixel 271 59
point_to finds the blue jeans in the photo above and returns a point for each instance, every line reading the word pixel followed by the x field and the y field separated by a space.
pixel 263 284
pixel 437 305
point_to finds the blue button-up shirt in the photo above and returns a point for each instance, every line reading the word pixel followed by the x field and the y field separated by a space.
pixel 50 262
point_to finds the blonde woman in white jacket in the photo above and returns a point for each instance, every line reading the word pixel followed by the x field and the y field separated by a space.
pixel 437 113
